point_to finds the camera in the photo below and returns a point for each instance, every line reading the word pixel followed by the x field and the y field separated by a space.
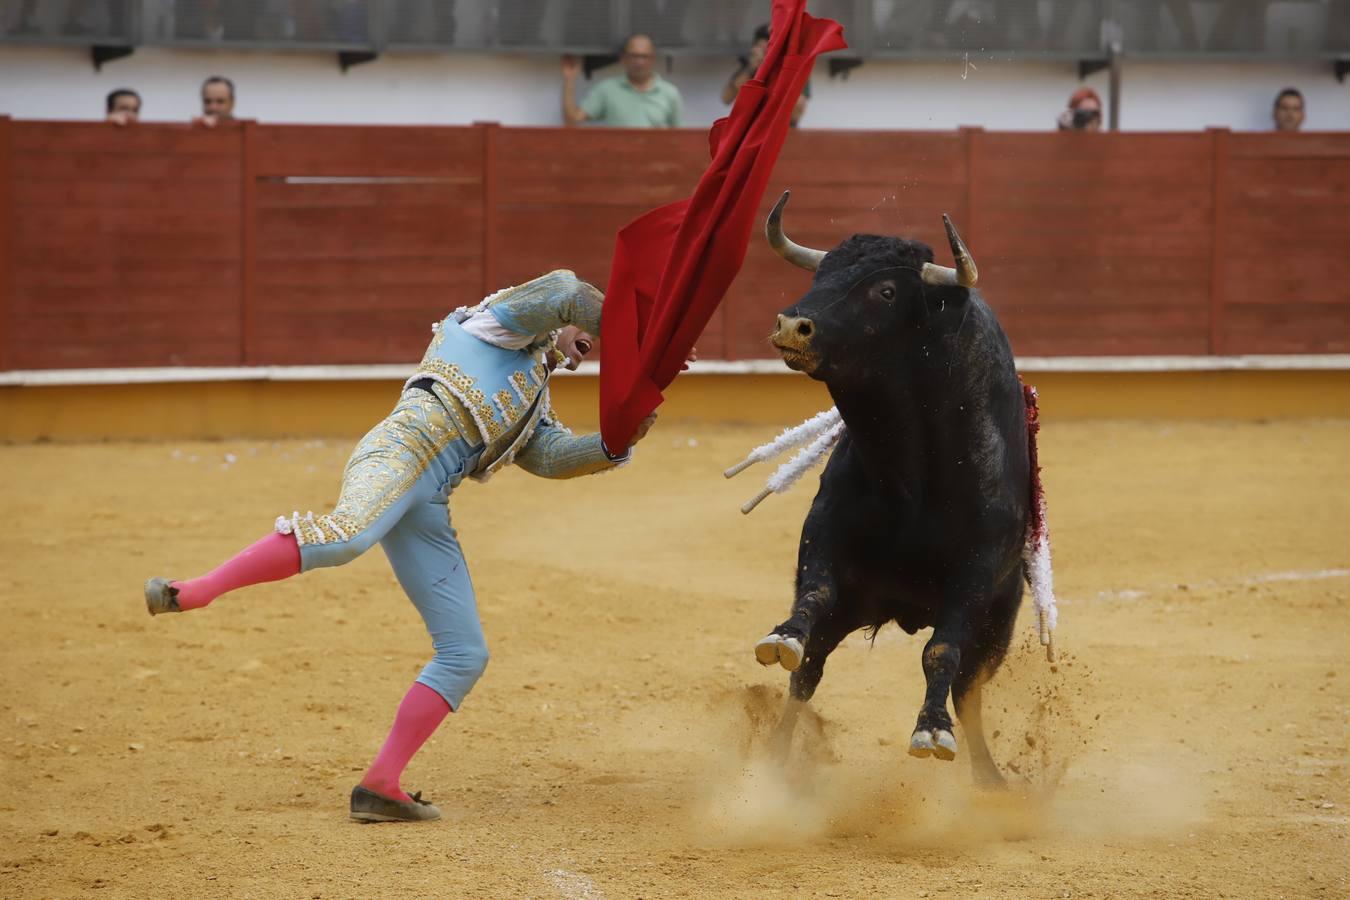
pixel 1082 118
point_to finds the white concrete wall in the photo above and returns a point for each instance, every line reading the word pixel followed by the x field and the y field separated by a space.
pixel 56 83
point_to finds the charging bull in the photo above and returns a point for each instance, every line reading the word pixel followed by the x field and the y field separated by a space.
pixel 923 509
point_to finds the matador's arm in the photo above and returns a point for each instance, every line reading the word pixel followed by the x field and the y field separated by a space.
pixel 554 452
pixel 548 303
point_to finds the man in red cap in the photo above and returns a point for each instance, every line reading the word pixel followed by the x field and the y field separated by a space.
pixel 1084 112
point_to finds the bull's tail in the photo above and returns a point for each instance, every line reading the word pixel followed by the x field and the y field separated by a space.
pixel 1036 551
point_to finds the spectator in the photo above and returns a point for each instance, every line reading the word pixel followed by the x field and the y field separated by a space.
pixel 1288 113
pixel 639 98
pixel 1084 112
pixel 124 107
pixel 750 64
pixel 217 102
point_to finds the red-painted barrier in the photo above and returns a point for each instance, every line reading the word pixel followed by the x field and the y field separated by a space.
pixel 272 244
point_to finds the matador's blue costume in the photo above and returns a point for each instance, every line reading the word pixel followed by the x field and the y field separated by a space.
pixel 477 402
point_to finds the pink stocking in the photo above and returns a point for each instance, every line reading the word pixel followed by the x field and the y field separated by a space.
pixel 273 558
pixel 419 715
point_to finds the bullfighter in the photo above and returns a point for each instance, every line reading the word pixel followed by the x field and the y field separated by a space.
pixel 478 402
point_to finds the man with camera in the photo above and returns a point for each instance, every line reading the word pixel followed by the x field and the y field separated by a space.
pixel 750 63
pixel 1084 112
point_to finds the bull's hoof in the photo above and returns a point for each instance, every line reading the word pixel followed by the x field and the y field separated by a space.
pixel 781 649
pixel 940 743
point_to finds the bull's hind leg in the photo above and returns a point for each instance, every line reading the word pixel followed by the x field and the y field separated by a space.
pixel 978 666
pixel 967 696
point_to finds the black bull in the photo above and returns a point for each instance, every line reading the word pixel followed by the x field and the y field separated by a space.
pixel 923 507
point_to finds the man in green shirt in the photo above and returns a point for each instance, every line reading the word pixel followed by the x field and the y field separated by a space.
pixel 637 99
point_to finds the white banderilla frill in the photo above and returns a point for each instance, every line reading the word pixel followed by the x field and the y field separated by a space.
pixel 1041 579
pixel 823 430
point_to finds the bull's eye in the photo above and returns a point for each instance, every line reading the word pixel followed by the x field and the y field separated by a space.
pixel 888 292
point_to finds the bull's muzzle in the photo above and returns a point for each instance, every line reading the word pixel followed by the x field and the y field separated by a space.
pixel 792 339
pixel 794 332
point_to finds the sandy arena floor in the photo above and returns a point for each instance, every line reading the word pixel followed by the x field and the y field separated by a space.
pixel 1191 743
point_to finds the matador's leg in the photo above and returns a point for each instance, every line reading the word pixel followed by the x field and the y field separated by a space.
pixel 394 466
pixel 426 556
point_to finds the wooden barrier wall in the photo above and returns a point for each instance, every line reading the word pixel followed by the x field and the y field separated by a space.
pixel 163 245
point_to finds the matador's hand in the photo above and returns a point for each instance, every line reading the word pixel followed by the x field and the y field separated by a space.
pixel 643 427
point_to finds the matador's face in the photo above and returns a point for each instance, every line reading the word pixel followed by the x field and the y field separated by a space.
pixel 574 344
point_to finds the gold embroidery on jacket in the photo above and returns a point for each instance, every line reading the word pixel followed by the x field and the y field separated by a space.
pixel 382 468
pixel 507 406
pixel 465 389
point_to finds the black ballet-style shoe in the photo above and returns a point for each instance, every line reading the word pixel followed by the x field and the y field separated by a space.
pixel 368 806
pixel 161 596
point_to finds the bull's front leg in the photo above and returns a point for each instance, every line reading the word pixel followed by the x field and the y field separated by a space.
pixel 787 643
pixel 815 600
pixel 808 636
pixel 829 628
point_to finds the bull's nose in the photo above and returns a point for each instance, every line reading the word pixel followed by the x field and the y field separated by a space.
pixel 795 328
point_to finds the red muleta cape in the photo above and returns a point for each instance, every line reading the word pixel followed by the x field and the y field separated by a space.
pixel 672 266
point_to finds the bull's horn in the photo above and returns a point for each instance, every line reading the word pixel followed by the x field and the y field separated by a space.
pixel 965 274
pixel 796 254
pixel 935 274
